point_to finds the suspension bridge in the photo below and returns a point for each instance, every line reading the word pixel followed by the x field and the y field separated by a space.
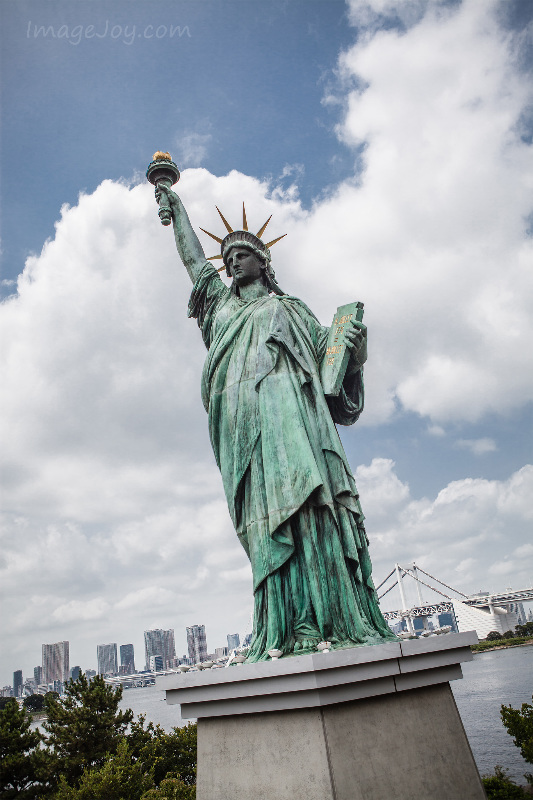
pixel 483 612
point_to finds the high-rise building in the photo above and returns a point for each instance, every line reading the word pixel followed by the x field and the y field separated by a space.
pixel 156 663
pixel 234 640
pixel 127 659
pixel 106 655
pixel 220 652
pixel 90 674
pixel 197 643
pixel 159 643
pixel 55 662
pixel 38 675
pixel 447 619
pixel 74 673
pixel 17 683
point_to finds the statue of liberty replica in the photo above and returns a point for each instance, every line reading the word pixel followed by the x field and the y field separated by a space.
pixel 289 488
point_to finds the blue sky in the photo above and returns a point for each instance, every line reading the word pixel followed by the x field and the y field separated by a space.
pixel 392 143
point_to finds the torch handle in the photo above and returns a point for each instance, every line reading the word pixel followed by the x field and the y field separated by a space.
pixel 165 212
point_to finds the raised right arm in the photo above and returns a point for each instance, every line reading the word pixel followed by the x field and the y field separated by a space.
pixel 189 248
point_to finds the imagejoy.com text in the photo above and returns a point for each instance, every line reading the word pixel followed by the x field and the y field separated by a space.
pixel 127 34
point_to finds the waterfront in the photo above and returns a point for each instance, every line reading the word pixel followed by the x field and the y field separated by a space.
pixel 492 678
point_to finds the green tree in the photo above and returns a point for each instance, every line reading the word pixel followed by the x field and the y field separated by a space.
pixel 500 787
pixel 20 758
pixel 34 702
pixel 165 753
pixel 171 788
pixel 508 635
pixel 119 777
pixel 519 725
pixel 524 630
pixel 83 727
pixel 492 636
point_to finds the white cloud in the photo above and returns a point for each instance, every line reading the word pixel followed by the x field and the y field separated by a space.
pixel 78 610
pixel 477 446
pixel 191 148
pixel 436 430
pixel 462 536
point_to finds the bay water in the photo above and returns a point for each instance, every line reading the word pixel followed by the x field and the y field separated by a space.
pixel 493 678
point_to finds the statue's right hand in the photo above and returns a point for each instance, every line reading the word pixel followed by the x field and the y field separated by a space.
pixel 162 192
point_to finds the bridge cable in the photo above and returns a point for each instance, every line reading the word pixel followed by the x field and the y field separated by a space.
pixel 386 579
pixel 441 582
pixel 388 590
pixel 429 587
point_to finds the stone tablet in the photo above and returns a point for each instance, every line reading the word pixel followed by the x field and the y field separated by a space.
pixel 337 355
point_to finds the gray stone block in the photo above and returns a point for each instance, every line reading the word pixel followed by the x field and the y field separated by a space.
pixel 403 745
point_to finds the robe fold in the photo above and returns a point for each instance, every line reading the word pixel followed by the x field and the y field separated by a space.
pixel 290 491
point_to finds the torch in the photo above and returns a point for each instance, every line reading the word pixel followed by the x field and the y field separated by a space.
pixel 164 172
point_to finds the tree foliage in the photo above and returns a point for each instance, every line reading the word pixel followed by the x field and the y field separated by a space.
pixel 83 727
pixel 163 752
pixel 524 630
pixel 492 636
pixel 20 757
pixel 500 787
pixel 34 702
pixel 171 788
pixel 519 725
pixel 119 777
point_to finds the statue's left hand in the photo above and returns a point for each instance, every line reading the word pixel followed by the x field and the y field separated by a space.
pixel 355 334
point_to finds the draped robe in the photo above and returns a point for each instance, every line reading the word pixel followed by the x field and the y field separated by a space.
pixel 289 488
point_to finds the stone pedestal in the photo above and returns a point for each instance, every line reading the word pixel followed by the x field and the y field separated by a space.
pixel 369 723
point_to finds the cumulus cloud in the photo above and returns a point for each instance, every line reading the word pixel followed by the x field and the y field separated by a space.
pixel 477 446
pixel 461 536
pixel 191 148
pixel 115 519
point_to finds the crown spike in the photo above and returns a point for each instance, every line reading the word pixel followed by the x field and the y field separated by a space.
pixel 244 221
pixel 212 235
pixel 222 268
pixel 275 240
pixel 226 223
pixel 262 230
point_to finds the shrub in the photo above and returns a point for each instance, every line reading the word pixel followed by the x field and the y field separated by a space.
pixel 500 787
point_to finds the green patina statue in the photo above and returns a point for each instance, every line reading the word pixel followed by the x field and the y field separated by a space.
pixel 290 491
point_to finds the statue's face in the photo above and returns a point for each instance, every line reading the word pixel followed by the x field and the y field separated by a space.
pixel 244 266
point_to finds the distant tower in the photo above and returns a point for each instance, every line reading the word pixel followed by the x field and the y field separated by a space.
pixel 234 640
pixel 75 673
pixel 55 662
pixel 156 663
pixel 159 643
pixel 17 683
pixel 197 643
pixel 38 675
pixel 127 659
pixel 106 655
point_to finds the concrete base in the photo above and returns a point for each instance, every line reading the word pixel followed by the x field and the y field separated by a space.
pixel 368 723
pixel 404 746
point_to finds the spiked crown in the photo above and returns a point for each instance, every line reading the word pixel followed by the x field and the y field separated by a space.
pixel 241 238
